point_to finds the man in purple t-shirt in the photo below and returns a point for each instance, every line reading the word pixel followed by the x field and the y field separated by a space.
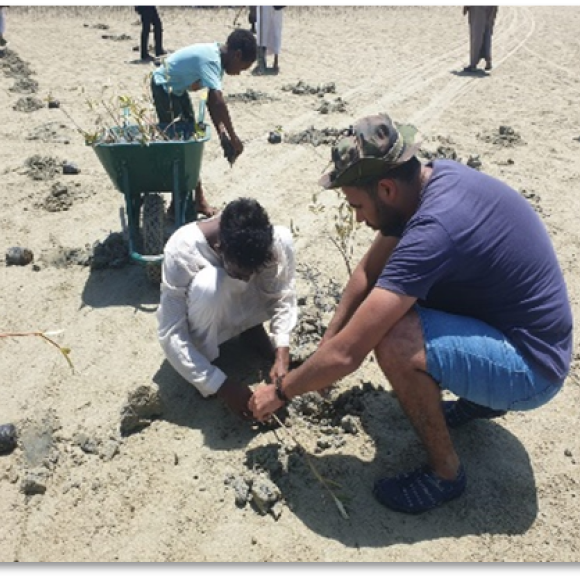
pixel 460 290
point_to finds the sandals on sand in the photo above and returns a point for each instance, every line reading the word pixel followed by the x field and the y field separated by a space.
pixel 419 490
pixel 458 413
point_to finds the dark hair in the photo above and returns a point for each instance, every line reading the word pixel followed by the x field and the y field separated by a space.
pixel 244 41
pixel 246 234
pixel 406 173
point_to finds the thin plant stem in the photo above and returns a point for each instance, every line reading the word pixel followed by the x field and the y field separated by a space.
pixel 316 473
pixel 63 349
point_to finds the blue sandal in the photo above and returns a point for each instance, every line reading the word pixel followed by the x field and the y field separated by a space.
pixel 418 491
pixel 458 413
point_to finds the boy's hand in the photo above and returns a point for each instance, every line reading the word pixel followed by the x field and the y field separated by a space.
pixel 281 364
pixel 228 148
pixel 236 396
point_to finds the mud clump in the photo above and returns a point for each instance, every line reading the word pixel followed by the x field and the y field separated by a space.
pixel 506 136
pixel 302 88
pixel 13 66
pixel 315 137
pixel 336 106
pixel 113 252
pixel 24 85
pixel 42 168
pixel 28 104
pixel 250 96
pixel 51 132
pixel 61 257
pixel 60 198
pixel 142 407
pixel 116 37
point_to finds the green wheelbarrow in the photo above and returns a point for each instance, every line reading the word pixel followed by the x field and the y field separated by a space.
pixel 142 172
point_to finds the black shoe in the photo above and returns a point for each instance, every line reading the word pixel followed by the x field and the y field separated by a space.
pixel 8 438
pixel 462 411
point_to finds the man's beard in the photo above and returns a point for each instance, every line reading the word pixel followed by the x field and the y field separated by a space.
pixel 391 221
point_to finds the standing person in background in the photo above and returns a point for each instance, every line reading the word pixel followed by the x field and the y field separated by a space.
pixel 269 36
pixel 150 17
pixel 3 41
pixel 202 66
pixel 481 20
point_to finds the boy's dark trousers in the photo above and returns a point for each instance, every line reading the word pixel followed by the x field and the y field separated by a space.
pixel 150 17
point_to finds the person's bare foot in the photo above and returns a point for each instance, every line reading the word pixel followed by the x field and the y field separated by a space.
pixel 205 209
pixel 258 339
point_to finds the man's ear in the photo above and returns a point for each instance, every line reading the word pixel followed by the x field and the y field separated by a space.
pixel 387 189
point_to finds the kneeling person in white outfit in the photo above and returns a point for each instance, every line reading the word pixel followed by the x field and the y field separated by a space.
pixel 223 277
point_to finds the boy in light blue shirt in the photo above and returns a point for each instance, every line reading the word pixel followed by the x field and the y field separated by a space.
pixel 202 66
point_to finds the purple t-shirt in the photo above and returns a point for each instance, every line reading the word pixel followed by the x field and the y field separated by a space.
pixel 476 247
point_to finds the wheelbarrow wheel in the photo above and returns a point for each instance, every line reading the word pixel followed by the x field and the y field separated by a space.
pixel 152 229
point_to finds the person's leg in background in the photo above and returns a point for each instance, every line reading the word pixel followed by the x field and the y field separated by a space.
pixel 261 20
pixel 157 32
pixel 252 18
pixel 3 42
pixel 146 21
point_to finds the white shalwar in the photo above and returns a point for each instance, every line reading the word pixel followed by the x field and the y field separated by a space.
pixel 201 306
pixel 269 26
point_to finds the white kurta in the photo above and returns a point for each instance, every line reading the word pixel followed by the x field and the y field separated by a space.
pixel 269 27
pixel 201 306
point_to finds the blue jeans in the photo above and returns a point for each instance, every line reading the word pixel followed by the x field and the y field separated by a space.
pixel 477 362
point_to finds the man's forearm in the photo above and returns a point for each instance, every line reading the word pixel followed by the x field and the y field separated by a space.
pixel 326 366
pixel 354 293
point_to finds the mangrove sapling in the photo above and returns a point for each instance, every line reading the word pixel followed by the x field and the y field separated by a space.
pixel 65 351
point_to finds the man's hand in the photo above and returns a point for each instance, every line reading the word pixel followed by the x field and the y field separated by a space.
pixel 236 396
pixel 264 402
pixel 281 364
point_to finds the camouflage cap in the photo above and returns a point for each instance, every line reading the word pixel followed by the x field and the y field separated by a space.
pixel 373 146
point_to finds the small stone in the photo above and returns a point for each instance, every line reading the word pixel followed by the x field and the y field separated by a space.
pixel 274 137
pixel 53 104
pixel 33 483
pixel 8 438
pixel 18 256
pixel 70 168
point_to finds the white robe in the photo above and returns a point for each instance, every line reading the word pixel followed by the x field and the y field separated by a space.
pixel 201 306
pixel 269 27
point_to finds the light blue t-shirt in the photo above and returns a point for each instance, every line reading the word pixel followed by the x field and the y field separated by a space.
pixel 198 63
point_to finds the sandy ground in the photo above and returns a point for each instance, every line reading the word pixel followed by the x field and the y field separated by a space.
pixel 187 487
